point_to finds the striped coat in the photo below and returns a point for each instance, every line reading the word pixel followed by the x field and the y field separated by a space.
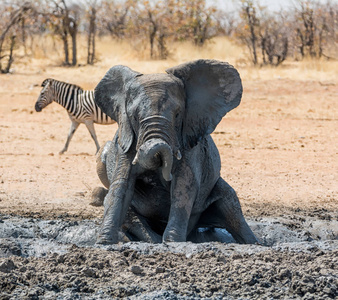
pixel 79 104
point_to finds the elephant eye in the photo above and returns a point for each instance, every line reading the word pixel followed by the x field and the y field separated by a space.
pixel 177 115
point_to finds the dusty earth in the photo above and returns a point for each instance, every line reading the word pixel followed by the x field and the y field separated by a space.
pixel 279 151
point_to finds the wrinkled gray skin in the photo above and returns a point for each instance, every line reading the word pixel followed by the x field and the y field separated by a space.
pixel 162 167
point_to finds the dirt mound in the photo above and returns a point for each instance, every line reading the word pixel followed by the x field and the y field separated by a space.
pixel 59 259
pixel 98 274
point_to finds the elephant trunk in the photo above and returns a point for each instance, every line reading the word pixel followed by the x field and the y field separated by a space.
pixel 153 154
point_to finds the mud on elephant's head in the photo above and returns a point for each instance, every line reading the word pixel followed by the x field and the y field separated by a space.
pixel 163 115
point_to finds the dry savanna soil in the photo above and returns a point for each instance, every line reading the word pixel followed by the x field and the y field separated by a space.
pixel 279 152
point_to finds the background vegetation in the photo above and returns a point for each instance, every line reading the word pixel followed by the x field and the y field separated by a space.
pixel 69 31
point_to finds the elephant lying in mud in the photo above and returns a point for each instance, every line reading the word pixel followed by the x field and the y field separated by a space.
pixel 162 168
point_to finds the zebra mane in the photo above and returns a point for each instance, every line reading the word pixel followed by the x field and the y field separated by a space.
pixel 45 81
pixel 51 79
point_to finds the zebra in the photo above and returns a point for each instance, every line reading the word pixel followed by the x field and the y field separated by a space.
pixel 79 104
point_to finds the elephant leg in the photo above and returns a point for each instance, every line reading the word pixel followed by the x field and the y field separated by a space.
pixel 91 129
pixel 183 194
pixel 72 130
pixel 136 228
pixel 117 200
pixel 225 212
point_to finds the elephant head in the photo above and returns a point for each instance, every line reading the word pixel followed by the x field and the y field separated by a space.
pixel 163 115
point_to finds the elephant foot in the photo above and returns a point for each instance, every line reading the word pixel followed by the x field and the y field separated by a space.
pixel 108 235
pixel 173 236
pixel 245 235
pixel 105 241
pixel 98 195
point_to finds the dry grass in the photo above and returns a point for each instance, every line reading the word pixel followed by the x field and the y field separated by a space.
pixel 317 70
pixel 47 53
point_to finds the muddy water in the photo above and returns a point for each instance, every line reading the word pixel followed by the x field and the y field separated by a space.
pixel 58 259
pixel 34 237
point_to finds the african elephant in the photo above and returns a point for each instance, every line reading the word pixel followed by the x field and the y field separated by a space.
pixel 162 165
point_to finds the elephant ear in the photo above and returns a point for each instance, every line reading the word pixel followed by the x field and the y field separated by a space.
pixel 212 88
pixel 110 96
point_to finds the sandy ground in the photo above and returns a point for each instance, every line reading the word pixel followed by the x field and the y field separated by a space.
pixel 278 149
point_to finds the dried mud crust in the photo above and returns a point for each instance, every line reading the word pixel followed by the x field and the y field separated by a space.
pixel 99 273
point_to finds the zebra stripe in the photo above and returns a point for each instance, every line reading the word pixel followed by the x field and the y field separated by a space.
pixel 79 104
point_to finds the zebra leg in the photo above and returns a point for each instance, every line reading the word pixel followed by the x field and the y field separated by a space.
pixel 91 129
pixel 73 128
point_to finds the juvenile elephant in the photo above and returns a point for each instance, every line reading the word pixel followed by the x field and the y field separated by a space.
pixel 162 166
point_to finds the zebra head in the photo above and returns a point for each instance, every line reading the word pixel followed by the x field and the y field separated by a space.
pixel 46 95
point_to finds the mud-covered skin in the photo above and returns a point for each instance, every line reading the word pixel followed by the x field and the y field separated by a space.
pixel 98 195
pixel 151 198
pixel 163 162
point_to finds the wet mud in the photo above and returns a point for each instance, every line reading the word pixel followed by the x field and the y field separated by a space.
pixel 58 259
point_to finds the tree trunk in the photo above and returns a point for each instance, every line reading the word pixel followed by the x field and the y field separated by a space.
pixel 253 43
pixel 163 51
pixel 91 37
pixel 10 56
pixel 151 40
pixel 152 34
pixel 301 47
pixel 285 50
pixel 23 33
pixel 65 49
pixel 15 18
pixel 72 27
pixel 74 61
pixel 251 22
pixel 263 47
pixel 64 37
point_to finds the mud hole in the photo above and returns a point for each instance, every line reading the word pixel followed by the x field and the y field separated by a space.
pixel 58 259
